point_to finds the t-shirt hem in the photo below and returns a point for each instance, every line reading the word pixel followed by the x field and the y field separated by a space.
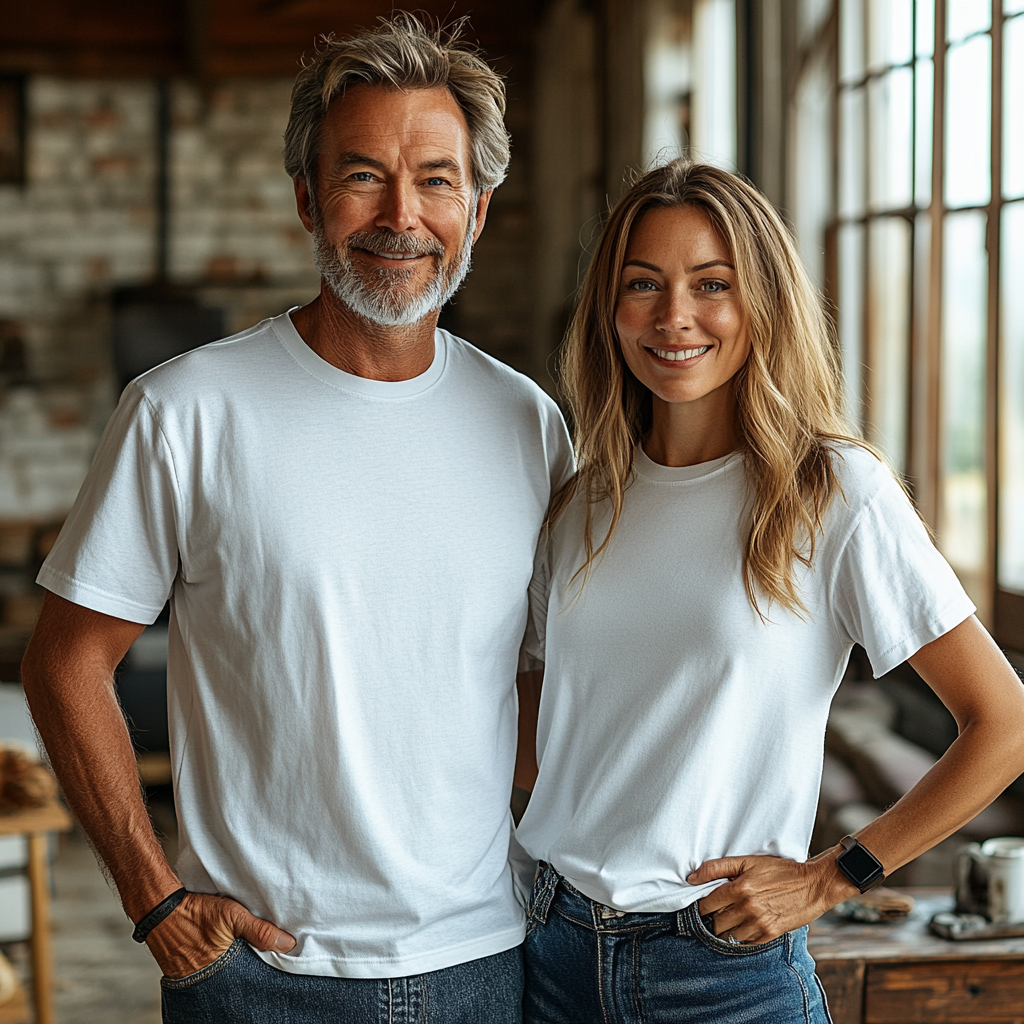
pixel 397 967
pixel 666 903
pixel 908 646
pixel 94 599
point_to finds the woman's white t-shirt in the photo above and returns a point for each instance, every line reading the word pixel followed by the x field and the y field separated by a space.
pixel 675 725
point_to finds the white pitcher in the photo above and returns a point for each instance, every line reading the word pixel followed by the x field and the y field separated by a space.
pixel 991 880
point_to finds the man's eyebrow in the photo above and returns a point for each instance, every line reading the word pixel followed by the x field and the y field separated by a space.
pixel 443 163
pixel 350 158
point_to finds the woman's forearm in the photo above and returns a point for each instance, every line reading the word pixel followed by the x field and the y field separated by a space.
pixel 985 758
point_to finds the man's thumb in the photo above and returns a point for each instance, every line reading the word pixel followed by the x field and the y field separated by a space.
pixel 263 935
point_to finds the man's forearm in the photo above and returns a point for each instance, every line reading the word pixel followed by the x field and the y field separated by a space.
pixel 71 696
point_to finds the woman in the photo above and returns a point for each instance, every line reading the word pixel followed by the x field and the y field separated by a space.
pixel 723 545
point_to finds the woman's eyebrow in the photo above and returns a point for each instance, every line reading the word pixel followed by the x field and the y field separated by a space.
pixel 711 263
pixel 693 270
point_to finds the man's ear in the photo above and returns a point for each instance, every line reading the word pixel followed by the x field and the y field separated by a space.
pixel 482 203
pixel 302 203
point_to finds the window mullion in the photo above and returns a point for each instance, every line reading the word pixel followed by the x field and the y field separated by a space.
pixel 927 478
pixel 994 244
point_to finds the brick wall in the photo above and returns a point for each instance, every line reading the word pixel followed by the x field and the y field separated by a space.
pixel 85 224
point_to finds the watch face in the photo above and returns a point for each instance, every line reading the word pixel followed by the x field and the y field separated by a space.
pixel 860 864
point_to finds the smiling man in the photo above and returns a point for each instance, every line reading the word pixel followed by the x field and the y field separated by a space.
pixel 342 505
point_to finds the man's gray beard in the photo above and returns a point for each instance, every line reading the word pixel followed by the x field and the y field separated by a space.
pixel 380 295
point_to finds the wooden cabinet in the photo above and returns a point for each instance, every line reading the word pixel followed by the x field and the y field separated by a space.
pixel 899 973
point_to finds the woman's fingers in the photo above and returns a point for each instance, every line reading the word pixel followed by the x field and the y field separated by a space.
pixel 724 867
pixel 765 896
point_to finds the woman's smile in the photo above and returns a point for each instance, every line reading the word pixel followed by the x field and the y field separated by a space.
pixel 679 355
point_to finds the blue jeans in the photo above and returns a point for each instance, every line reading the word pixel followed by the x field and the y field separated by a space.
pixel 239 988
pixel 588 964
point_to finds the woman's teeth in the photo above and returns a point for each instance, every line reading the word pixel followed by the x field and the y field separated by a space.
pixel 674 355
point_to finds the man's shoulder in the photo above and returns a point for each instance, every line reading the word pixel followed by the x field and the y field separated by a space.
pixel 212 366
pixel 484 371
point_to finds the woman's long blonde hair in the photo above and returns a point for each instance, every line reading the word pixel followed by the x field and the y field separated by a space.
pixel 788 393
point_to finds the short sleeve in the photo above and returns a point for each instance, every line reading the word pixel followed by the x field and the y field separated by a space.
pixel 561 467
pixel 893 592
pixel 118 551
pixel 531 654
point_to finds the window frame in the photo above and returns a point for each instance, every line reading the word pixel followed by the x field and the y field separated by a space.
pixel 1002 610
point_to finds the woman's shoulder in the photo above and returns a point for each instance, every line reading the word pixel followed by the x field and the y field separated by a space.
pixel 864 479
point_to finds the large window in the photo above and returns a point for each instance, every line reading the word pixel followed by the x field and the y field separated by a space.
pixel 690 81
pixel 922 238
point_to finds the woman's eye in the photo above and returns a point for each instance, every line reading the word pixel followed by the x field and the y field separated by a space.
pixel 641 286
pixel 713 286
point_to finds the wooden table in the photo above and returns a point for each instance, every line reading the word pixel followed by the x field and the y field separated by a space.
pixel 897 972
pixel 37 823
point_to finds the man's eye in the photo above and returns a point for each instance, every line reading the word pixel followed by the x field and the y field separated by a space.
pixel 362 176
pixel 436 181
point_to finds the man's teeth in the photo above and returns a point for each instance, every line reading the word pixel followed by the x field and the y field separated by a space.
pixel 673 355
pixel 398 255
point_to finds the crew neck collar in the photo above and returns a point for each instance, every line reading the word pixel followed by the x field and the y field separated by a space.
pixel 366 386
pixel 651 470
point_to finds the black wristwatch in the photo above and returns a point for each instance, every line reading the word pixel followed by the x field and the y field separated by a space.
pixel 859 864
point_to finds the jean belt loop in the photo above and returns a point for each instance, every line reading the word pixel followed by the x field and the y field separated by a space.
pixel 544 893
pixel 682 925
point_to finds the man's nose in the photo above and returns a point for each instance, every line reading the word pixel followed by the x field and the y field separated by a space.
pixel 398 210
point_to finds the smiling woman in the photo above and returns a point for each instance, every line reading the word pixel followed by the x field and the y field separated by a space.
pixel 683 331
pixel 724 544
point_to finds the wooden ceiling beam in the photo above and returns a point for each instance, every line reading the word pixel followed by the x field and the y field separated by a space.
pixel 218 38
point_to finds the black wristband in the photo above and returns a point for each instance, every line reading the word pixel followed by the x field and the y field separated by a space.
pixel 159 913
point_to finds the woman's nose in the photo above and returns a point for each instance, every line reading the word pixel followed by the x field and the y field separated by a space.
pixel 676 312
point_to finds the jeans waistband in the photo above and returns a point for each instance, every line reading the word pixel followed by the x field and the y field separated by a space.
pixel 580 909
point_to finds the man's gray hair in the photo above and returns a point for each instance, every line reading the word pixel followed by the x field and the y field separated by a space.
pixel 400 53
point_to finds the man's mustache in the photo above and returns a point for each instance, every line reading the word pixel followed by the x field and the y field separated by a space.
pixel 385 241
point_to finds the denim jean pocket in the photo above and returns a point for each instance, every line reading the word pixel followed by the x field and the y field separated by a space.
pixel 706 937
pixel 210 970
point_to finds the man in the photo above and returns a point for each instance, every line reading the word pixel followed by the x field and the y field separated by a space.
pixel 343 505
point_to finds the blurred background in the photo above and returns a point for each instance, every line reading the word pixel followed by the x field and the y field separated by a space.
pixel 144 210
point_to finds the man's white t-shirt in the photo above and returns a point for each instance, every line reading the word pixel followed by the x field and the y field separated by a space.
pixel 347 562
pixel 676 726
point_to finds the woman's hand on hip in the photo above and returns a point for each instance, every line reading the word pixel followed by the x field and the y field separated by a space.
pixel 766 897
